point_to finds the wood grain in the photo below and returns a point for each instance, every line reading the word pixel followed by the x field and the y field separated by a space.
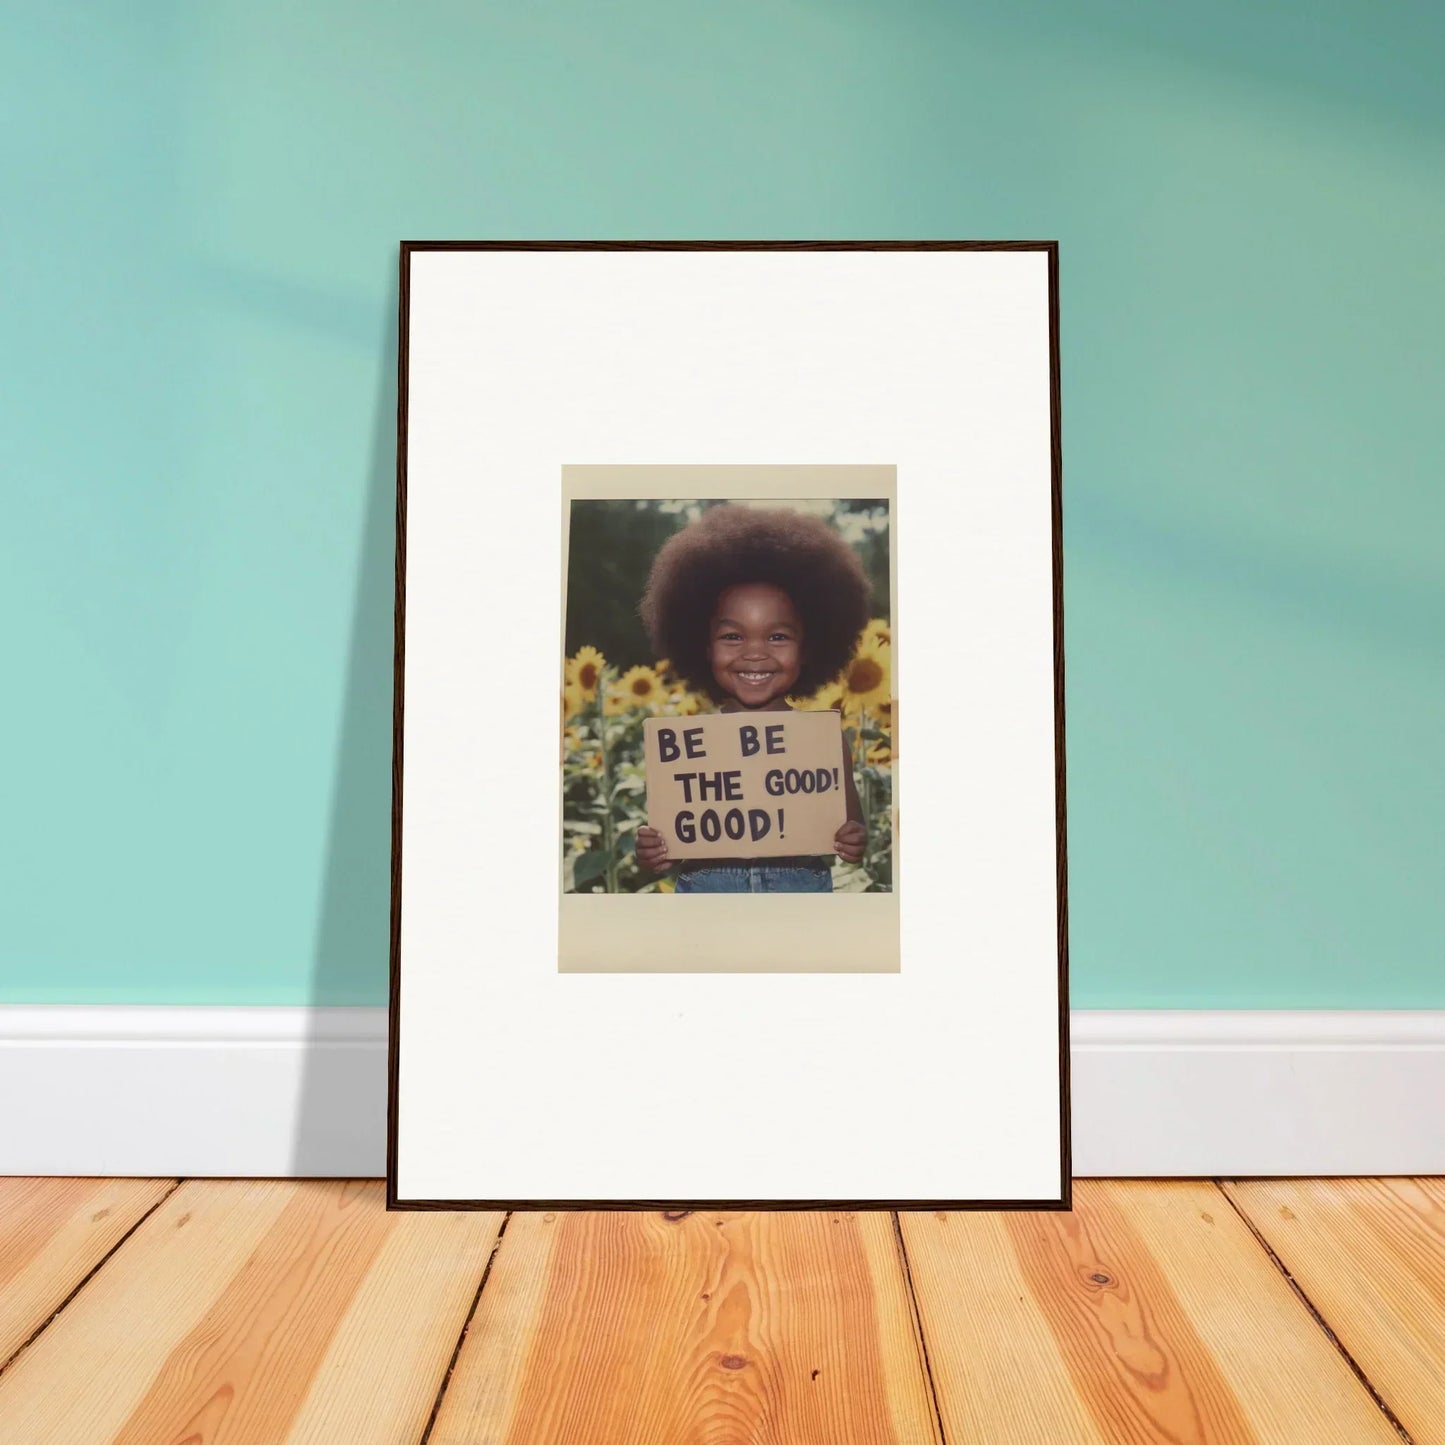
pixel 247 1311
pixel 53 1232
pixel 1370 1255
pixel 268 1313
pixel 692 1328
pixel 388 1358
pixel 1149 1314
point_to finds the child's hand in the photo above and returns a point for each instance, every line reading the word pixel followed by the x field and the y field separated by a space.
pixel 848 841
pixel 652 850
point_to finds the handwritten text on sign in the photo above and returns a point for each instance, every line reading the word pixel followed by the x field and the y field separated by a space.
pixel 746 785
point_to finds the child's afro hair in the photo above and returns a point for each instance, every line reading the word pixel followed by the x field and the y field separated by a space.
pixel 731 545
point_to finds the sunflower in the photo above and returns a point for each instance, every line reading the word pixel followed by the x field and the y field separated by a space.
pixel 637 687
pixel 584 671
pixel 827 698
pixel 573 701
pixel 865 680
pixel 877 631
pixel 683 704
pixel 880 753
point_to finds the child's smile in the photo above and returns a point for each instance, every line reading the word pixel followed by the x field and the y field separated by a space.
pixel 755 644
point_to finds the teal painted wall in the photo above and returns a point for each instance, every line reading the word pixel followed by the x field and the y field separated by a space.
pixel 202 206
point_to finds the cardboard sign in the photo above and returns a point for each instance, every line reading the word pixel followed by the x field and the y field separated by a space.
pixel 746 784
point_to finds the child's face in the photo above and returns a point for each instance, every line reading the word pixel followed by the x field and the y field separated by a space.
pixel 755 643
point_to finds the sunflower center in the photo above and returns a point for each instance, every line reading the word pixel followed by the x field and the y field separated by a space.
pixel 864 675
pixel 587 675
pixel 641 686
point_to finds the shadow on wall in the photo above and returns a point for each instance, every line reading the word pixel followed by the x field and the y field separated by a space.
pixel 341 1115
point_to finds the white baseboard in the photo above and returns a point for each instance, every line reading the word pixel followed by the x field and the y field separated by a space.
pixel 258 1092
pixel 1172 1093
pixel 239 1092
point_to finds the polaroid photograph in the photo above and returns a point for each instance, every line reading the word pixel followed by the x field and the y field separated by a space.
pixel 728 825
pixel 728 720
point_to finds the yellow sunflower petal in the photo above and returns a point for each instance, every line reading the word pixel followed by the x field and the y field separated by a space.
pixel 867 679
pixel 827 698
pixel 683 704
pixel 639 687
pixel 585 671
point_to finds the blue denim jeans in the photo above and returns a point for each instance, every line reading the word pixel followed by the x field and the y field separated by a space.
pixel 757 878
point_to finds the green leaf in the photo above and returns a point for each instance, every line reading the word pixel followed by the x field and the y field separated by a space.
pixel 589 866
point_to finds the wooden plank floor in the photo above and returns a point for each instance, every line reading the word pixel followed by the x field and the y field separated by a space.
pixel 205 1312
pixel 1369 1255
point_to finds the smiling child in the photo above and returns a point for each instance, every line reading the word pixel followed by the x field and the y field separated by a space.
pixel 754 605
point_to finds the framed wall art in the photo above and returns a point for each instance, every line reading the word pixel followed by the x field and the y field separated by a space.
pixel 728 789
